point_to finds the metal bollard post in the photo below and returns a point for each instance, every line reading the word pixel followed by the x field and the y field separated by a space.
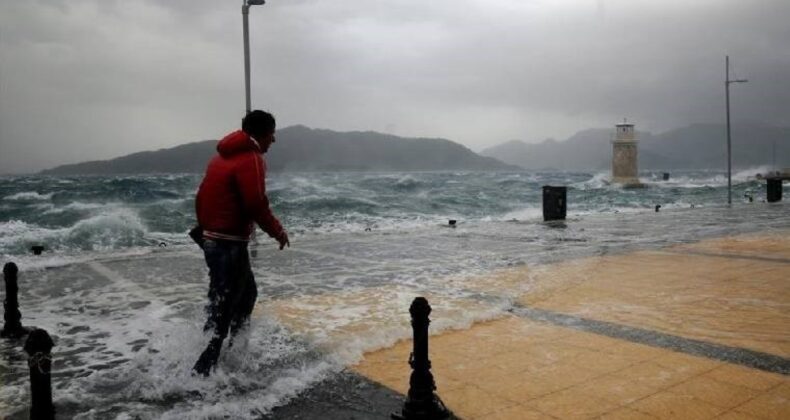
pixel 421 402
pixel 38 347
pixel 13 318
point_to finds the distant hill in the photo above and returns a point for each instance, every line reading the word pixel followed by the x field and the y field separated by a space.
pixel 697 146
pixel 300 148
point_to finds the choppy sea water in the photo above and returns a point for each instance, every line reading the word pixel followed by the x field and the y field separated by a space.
pixel 127 311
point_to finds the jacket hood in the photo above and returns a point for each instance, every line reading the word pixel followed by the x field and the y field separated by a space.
pixel 235 143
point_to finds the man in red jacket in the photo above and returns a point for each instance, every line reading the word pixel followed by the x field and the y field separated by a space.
pixel 230 200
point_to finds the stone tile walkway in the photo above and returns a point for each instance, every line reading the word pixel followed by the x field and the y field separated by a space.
pixel 730 295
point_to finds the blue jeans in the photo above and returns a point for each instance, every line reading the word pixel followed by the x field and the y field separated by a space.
pixel 232 291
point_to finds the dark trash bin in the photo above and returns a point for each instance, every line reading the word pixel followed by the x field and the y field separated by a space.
pixel 774 192
pixel 554 203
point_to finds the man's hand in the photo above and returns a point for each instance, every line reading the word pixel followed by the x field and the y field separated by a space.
pixel 283 240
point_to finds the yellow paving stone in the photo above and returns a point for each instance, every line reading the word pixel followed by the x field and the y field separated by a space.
pixel 560 376
pixel 518 388
pixel 626 414
pixel 474 347
pixel 516 361
pixel 665 405
pixel 720 394
pixel 617 388
pixel 743 376
pixel 586 340
pixel 555 352
pixel 686 364
pixel 774 404
pixel 444 382
pixel 517 412
pixel 709 298
pixel 535 331
pixel 601 362
pixel 441 358
pixel 783 389
pixel 470 402
pixel 467 370
pixel 736 415
pixel 572 405
pixel 654 375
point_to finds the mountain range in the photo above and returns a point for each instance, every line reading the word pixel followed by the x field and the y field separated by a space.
pixel 697 146
pixel 299 148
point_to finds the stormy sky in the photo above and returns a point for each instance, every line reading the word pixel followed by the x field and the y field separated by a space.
pixel 94 79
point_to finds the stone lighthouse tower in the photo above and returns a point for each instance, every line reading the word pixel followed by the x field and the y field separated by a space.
pixel 625 157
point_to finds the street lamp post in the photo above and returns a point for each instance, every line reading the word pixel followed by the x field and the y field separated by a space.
pixel 245 11
pixel 727 82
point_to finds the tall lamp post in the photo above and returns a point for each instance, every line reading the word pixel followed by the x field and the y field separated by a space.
pixel 245 11
pixel 727 82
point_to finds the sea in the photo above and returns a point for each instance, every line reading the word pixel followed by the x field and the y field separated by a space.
pixel 121 287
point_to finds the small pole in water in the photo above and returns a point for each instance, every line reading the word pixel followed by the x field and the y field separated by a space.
pixel 658 206
pixel 38 347
pixel 13 318
pixel 452 222
pixel 37 249
pixel 421 401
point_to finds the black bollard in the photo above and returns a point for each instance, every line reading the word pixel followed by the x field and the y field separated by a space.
pixel 554 203
pixel 421 403
pixel 13 318
pixel 666 176
pixel 452 222
pixel 38 347
pixel 37 249
pixel 658 207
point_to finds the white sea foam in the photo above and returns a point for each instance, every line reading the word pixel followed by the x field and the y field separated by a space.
pixel 709 179
pixel 528 213
pixel 28 196
pixel 112 229
pixel 598 180
pixel 77 206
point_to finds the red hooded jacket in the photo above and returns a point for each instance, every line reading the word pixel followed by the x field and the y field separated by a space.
pixel 233 193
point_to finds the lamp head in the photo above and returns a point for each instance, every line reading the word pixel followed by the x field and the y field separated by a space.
pixel 256 2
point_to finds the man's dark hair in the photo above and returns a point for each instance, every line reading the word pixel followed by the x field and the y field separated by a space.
pixel 258 123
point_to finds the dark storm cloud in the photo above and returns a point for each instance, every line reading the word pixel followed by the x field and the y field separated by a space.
pixel 85 79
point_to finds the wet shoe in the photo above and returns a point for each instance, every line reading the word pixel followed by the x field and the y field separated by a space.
pixel 208 359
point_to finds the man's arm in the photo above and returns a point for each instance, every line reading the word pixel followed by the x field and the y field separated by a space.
pixel 251 178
